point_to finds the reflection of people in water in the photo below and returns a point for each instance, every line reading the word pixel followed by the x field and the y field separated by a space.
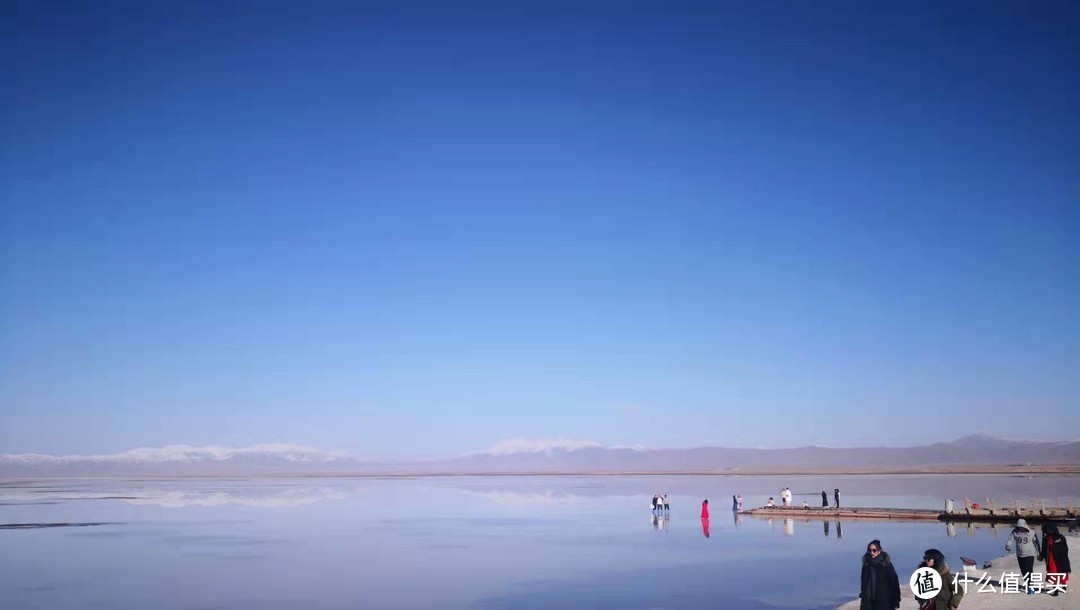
pixel 839 530
pixel 737 517
pixel 705 526
pixel 660 522
pixel 826 528
pixel 789 527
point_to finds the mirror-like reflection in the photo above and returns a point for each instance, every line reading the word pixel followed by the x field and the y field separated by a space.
pixel 660 522
pixel 498 542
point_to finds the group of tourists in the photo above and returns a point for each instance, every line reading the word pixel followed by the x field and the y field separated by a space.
pixel 787 502
pixel 736 505
pixel 660 504
pixel 1053 549
pixel 880 585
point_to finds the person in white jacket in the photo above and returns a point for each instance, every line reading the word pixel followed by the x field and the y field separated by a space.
pixel 1027 543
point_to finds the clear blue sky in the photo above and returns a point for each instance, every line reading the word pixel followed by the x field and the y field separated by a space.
pixel 402 229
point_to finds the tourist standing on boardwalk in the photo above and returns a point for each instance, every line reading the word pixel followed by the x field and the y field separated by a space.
pixel 1056 553
pixel 1027 549
pixel 836 496
pixel 824 499
pixel 880 584
pixel 734 503
pixel 946 598
pixel 705 509
pixel 738 503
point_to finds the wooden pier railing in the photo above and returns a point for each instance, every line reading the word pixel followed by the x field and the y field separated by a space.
pixel 993 513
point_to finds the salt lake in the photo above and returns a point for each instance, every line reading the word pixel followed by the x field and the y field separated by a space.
pixel 469 542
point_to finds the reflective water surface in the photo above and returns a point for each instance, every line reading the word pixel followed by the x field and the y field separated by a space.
pixel 469 542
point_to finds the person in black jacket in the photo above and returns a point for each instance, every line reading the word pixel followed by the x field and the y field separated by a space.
pixel 1055 552
pixel 880 584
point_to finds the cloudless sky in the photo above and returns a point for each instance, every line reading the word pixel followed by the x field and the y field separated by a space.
pixel 420 228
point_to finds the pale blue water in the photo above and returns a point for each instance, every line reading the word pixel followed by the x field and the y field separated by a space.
pixel 498 542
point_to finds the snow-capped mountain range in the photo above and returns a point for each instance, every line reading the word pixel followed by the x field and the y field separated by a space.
pixel 540 456
pixel 186 453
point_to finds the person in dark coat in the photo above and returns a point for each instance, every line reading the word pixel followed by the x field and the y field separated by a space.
pixel 824 499
pixel 1055 552
pixel 880 584
pixel 951 594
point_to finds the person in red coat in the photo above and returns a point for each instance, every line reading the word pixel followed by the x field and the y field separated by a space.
pixel 705 509
pixel 1055 552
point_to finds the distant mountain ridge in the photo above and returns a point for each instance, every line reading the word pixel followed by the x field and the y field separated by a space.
pixel 544 456
pixel 187 453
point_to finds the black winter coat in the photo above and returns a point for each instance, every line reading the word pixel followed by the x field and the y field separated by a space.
pixel 1061 553
pixel 880 578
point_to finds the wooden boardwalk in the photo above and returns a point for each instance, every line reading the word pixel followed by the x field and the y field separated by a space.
pixel 997 515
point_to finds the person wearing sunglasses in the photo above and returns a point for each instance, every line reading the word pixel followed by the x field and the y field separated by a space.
pixel 880 584
pixel 948 598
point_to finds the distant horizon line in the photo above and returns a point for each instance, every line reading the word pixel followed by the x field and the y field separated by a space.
pixel 951 469
pixel 512 446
